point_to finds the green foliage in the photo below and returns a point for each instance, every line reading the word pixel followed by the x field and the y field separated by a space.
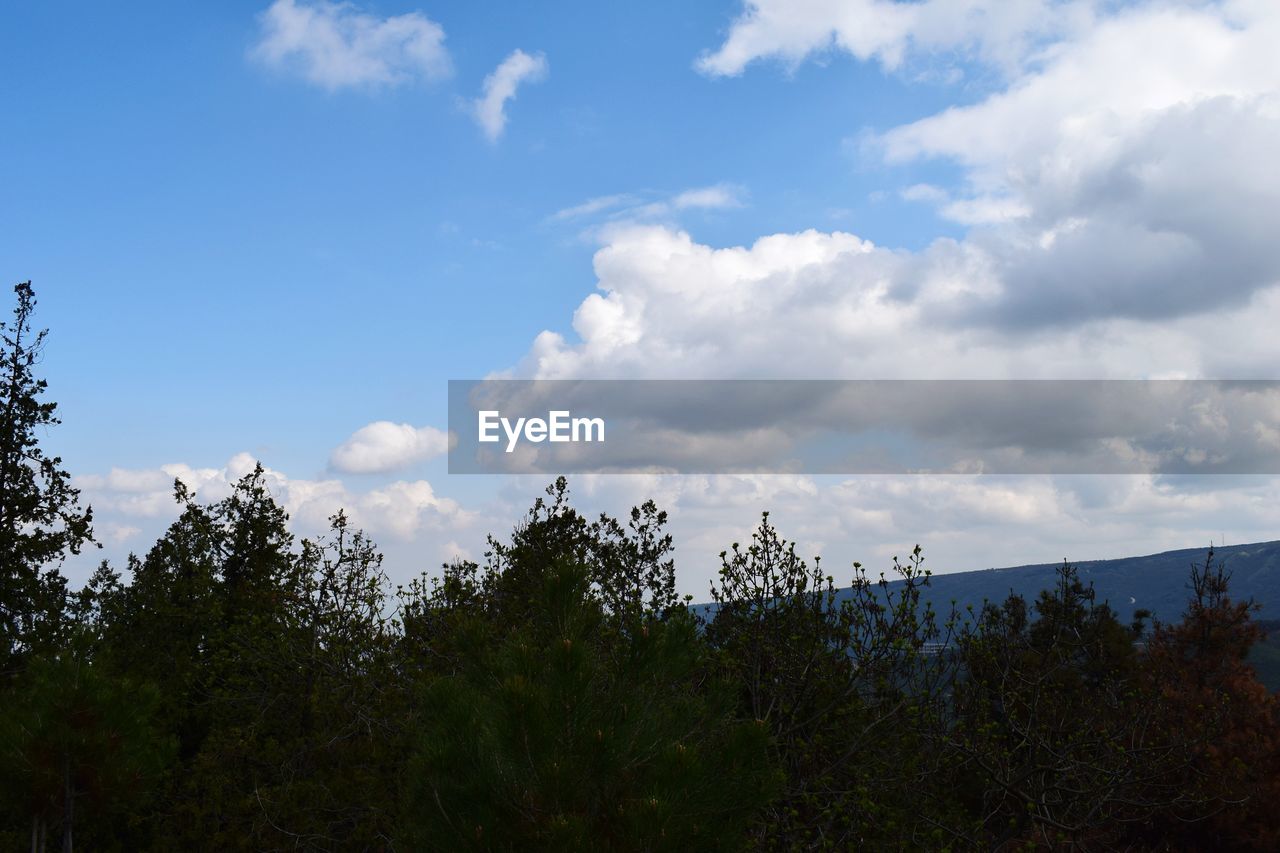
pixel 567 739
pixel 575 691
pixel 844 686
pixel 279 670
pixel 78 747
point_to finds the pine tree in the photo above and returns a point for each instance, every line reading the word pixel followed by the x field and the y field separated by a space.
pixel 40 519
pixel 78 750
pixel 568 704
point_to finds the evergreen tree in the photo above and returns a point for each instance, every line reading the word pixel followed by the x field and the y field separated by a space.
pixel 560 734
pixel 79 752
pixel 576 694
pixel 334 752
pixel 844 685
pixel 1230 722
pixel 40 521
pixel 1059 738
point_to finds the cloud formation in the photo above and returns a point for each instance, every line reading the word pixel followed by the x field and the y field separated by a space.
pixel 625 208
pixel 383 446
pixel 711 198
pixel 1116 188
pixel 337 46
pixel 1001 32
pixel 490 109
pixel 400 510
pixel 965 522
pixel 1121 212
pixel 832 305
pixel 1118 210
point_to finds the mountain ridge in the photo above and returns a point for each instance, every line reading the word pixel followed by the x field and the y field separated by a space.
pixel 1158 583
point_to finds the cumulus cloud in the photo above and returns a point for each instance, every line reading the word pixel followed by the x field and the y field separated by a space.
pixel 336 45
pixel 1119 209
pixel 965 522
pixel 1121 206
pixel 832 305
pixel 400 509
pixel 384 446
pixel 1097 184
pixel 1122 188
pixel 490 109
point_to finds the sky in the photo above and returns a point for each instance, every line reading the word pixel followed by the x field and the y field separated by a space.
pixel 272 231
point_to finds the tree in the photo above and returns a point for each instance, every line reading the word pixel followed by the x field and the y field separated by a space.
pixel 1060 742
pixel 330 778
pixel 1199 670
pixel 567 704
pixel 279 672
pixel 208 619
pixel 76 743
pixel 40 520
pixel 844 684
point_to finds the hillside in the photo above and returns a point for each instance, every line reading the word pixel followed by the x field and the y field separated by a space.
pixel 1157 582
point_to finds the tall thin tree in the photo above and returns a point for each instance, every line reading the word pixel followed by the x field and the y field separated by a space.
pixel 40 517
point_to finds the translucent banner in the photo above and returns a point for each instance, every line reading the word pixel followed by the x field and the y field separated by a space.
pixel 552 427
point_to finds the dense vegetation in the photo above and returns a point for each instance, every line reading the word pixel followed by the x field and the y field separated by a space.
pixel 243 690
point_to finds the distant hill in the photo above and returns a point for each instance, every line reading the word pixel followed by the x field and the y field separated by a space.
pixel 1158 582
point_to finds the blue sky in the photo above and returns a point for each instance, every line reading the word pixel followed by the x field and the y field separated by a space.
pixel 229 221
pixel 242 251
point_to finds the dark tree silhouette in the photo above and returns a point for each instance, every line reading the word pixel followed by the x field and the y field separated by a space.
pixel 40 520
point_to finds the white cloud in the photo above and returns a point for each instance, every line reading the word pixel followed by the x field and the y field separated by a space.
pixel 490 109
pixel 1099 185
pixel 401 509
pixel 592 206
pixel 628 208
pixel 1123 204
pixel 336 45
pixel 1001 32
pixel 963 522
pixel 1119 209
pixel 983 210
pixel 117 534
pixel 831 305
pixel 1122 188
pixel 717 197
pixel 404 508
pixel 412 524
pixel 451 551
pixel 924 192
pixel 384 446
